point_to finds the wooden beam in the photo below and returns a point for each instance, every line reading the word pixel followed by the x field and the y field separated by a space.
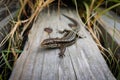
pixel 82 61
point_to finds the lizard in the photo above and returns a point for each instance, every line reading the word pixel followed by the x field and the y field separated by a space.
pixel 69 38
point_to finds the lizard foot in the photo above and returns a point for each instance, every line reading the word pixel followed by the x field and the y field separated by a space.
pixel 61 55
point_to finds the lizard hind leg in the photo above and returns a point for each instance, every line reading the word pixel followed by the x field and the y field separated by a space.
pixel 65 32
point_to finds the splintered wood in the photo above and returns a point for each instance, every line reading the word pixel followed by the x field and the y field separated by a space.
pixel 82 61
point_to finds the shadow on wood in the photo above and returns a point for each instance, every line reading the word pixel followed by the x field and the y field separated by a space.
pixel 82 60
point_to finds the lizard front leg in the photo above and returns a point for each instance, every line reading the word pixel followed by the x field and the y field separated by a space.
pixel 62 51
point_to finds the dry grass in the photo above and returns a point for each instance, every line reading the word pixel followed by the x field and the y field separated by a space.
pixel 36 10
pixel 91 17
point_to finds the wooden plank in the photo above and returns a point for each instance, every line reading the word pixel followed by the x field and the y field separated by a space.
pixel 110 25
pixel 82 60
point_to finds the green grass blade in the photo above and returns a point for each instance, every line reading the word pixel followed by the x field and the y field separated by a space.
pixel 6 61
pixel 106 10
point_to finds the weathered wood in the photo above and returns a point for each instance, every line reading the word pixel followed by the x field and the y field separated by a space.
pixel 82 60
pixel 110 25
